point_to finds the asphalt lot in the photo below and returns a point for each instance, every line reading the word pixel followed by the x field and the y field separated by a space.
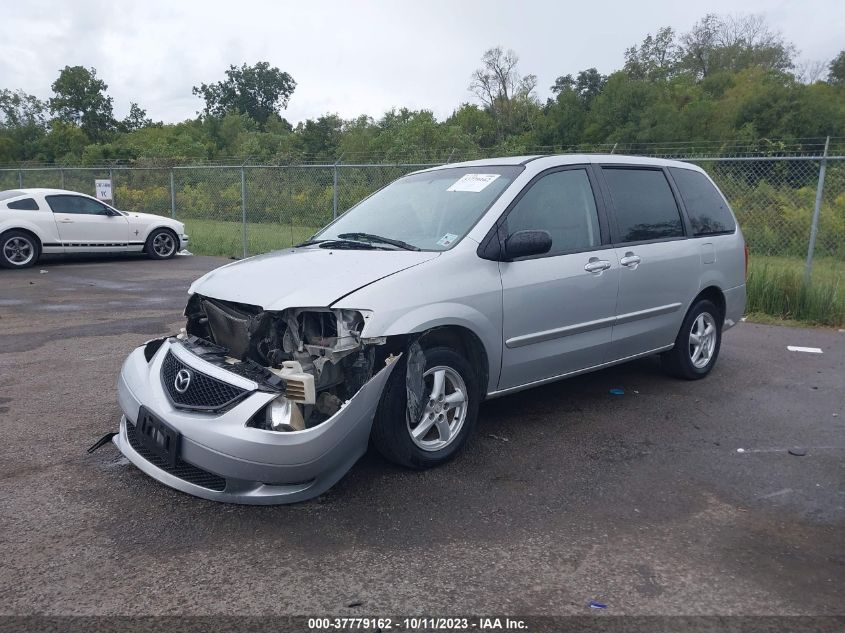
pixel 567 493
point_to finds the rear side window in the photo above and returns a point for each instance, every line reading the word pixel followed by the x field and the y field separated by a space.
pixel 27 204
pixel 644 204
pixel 706 209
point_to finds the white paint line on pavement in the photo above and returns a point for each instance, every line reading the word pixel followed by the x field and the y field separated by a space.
pixel 785 491
pixel 809 350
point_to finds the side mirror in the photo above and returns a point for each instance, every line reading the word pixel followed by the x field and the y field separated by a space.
pixel 527 243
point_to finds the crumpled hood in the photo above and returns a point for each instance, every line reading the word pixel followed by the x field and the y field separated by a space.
pixel 303 277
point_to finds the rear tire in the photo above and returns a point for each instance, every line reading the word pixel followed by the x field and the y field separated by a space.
pixel 449 411
pixel 698 343
pixel 19 249
pixel 162 244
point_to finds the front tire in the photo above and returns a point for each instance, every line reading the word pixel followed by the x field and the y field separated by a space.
pixel 698 343
pixel 449 411
pixel 162 244
pixel 18 249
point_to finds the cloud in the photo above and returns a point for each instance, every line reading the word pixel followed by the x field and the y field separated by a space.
pixel 349 58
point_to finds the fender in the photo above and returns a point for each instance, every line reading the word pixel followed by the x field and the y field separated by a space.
pixel 426 317
pixel 17 223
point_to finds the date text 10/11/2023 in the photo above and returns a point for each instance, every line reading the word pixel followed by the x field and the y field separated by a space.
pixel 417 624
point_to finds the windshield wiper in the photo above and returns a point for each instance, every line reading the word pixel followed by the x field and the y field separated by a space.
pixel 380 240
pixel 336 243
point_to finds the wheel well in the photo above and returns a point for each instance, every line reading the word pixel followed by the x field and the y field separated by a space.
pixel 28 232
pixel 464 341
pixel 714 294
pixel 159 228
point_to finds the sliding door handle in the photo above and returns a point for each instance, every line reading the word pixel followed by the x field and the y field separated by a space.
pixel 630 260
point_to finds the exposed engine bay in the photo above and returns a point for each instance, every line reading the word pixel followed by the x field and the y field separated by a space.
pixel 315 358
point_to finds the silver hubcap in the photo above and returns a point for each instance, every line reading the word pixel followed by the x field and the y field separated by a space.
pixel 18 250
pixel 444 412
pixel 164 245
pixel 702 340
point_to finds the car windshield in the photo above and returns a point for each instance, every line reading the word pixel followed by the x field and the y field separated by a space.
pixel 431 211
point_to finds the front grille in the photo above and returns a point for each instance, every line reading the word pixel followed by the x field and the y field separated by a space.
pixel 183 470
pixel 204 393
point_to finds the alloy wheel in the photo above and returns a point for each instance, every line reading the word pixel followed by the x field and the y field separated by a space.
pixel 164 245
pixel 444 412
pixel 19 250
pixel 702 340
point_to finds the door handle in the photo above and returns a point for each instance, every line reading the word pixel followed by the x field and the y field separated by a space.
pixel 596 265
pixel 630 260
pixel 66 221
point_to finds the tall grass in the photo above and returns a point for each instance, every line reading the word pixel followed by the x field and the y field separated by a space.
pixel 776 288
pixel 225 239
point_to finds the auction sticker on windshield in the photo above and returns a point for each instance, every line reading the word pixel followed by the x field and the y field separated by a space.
pixel 473 182
pixel 447 239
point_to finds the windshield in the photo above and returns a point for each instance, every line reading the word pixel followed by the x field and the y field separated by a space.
pixel 429 211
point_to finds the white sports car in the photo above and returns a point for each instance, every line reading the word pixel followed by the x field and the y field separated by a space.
pixel 36 221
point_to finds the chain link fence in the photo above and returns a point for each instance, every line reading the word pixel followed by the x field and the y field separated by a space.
pixel 245 210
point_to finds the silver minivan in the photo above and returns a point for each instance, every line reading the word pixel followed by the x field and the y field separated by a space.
pixel 447 287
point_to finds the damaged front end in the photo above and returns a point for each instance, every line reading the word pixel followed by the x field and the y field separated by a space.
pixel 315 357
pixel 254 406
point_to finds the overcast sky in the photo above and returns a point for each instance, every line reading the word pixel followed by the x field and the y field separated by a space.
pixel 354 57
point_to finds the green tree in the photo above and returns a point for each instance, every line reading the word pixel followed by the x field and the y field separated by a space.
pixel 81 99
pixel 22 125
pixel 135 120
pixel 321 137
pixel 836 74
pixel 476 123
pixel 718 43
pixel 65 142
pixel 258 91
pixel 505 93
pixel 656 58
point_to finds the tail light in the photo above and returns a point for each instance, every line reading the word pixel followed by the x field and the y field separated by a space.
pixel 746 261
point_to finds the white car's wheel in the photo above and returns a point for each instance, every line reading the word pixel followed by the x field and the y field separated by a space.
pixel 18 249
pixel 162 244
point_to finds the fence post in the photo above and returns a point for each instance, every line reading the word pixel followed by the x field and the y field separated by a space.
pixel 814 227
pixel 62 177
pixel 334 188
pixel 172 195
pixel 113 195
pixel 20 178
pixel 243 209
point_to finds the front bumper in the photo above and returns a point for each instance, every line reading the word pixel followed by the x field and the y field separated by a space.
pixel 183 242
pixel 255 466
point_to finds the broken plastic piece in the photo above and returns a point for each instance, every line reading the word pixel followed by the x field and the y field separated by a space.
pixel 299 385
pixel 597 605
pixel 284 415
pixel 616 391
pixel 414 383
pixel 328 403
pixel 101 442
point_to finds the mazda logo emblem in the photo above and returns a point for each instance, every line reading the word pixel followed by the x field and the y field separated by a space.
pixel 183 381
